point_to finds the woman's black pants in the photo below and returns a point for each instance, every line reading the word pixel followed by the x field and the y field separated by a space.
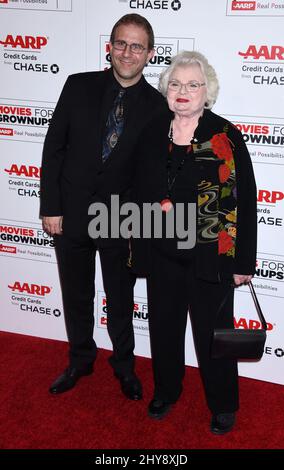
pixel 173 290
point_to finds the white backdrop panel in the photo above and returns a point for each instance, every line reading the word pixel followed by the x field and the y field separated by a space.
pixel 40 45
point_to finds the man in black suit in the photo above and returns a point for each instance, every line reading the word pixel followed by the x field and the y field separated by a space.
pixel 77 170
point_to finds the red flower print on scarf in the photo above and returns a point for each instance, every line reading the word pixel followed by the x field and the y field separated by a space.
pixel 221 146
pixel 225 242
pixel 224 173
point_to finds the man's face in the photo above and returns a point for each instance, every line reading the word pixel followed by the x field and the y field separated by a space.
pixel 128 66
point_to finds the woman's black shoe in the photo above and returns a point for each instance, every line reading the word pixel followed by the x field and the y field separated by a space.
pixel 130 386
pixel 222 423
pixel 157 409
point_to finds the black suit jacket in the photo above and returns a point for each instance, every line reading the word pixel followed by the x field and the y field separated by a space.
pixel 73 174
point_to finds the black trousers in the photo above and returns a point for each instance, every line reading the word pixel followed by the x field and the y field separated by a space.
pixel 173 290
pixel 76 262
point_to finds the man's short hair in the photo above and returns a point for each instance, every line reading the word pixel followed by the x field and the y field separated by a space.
pixel 138 20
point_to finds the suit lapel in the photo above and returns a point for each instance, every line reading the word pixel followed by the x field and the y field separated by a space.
pixel 95 124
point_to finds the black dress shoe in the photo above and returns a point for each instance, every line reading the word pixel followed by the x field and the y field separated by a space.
pixel 222 423
pixel 158 409
pixel 69 378
pixel 130 386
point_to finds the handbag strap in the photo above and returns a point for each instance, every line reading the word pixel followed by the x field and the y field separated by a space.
pixel 257 306
pixel 255 300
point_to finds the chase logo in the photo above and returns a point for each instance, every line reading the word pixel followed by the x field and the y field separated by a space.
pixel 54 68
pixel 154 4
pixel 176 5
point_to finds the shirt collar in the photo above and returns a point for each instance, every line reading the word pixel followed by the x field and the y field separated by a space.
pixel 129 91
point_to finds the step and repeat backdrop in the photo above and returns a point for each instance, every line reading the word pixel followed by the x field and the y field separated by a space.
pixel 41 43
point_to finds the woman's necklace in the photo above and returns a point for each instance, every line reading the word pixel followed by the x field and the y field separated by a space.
pixel 166 203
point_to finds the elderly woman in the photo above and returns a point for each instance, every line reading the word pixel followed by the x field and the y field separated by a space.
pixel 192 156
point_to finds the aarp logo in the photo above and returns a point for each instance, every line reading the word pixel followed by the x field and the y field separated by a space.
pixel 263 52
pixel 24 42
pixel 242 6
pixel 30 289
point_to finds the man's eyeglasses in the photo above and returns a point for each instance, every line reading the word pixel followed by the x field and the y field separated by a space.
pixel 122 45
pixel 192 86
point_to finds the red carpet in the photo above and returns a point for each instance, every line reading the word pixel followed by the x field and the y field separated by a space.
pixel 95 415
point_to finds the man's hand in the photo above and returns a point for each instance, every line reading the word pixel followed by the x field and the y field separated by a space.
pixel 242 279
pixel 53 225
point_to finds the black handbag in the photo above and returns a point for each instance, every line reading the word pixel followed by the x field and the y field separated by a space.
pixel 232 343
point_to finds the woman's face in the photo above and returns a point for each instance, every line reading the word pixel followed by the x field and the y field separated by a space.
pixel 182 100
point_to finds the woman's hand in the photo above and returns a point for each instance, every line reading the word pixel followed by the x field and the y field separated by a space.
pixel 242 279
pixel 52 225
